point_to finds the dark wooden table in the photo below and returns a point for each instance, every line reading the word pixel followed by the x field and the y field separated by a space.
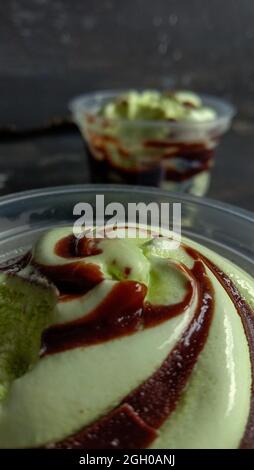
pixel 29 162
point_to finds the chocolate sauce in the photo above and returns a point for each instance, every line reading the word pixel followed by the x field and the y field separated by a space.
pixel 154 400
pixel 127 271
pixel 193 159
pixel 104 171
pixel 119 429
pixel 122 312
pixel 247 317
pixel 157 397
pixel 119 314
pixel 72 278
pixel 196 157
pixel 77 277
pixel 178 147
pixel 71 247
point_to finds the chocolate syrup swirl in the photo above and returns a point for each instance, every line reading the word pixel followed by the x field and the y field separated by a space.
pixel 122 428
pixel 122 312
pixel 73 278
pixel 135 422
pixel 196 157
pixel 71 247
pixel 154 400
pixel 119 314
pixel 247 317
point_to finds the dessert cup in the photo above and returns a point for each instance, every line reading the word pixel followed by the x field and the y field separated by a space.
pixel 173 155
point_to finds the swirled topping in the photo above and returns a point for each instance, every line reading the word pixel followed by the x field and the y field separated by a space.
pixel 156 105
pixel 141 346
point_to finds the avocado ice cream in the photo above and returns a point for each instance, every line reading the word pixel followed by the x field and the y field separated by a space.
pixel 21 325
pixel 125 343
pixel 154 105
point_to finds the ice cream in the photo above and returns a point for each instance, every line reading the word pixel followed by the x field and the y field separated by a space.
pixel 145 347
pixel 155 105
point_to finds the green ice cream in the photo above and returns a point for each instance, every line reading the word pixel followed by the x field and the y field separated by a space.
pixel 21 325
pixel 154 105
pixel 55 396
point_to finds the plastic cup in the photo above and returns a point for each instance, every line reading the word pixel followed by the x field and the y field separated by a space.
pixel 172 155
pixel 225 229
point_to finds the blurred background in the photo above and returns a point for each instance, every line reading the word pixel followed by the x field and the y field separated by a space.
pixel 52 50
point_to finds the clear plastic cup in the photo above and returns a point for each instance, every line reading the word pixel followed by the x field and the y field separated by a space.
pixel 177 156
pixel 223 228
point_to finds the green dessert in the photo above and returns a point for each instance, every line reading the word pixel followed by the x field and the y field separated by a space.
pixel 125 343
pixel 21 325
pixel 154 105
pixel 153 138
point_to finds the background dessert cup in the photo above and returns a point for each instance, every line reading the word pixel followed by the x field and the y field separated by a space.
pixel 173 155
